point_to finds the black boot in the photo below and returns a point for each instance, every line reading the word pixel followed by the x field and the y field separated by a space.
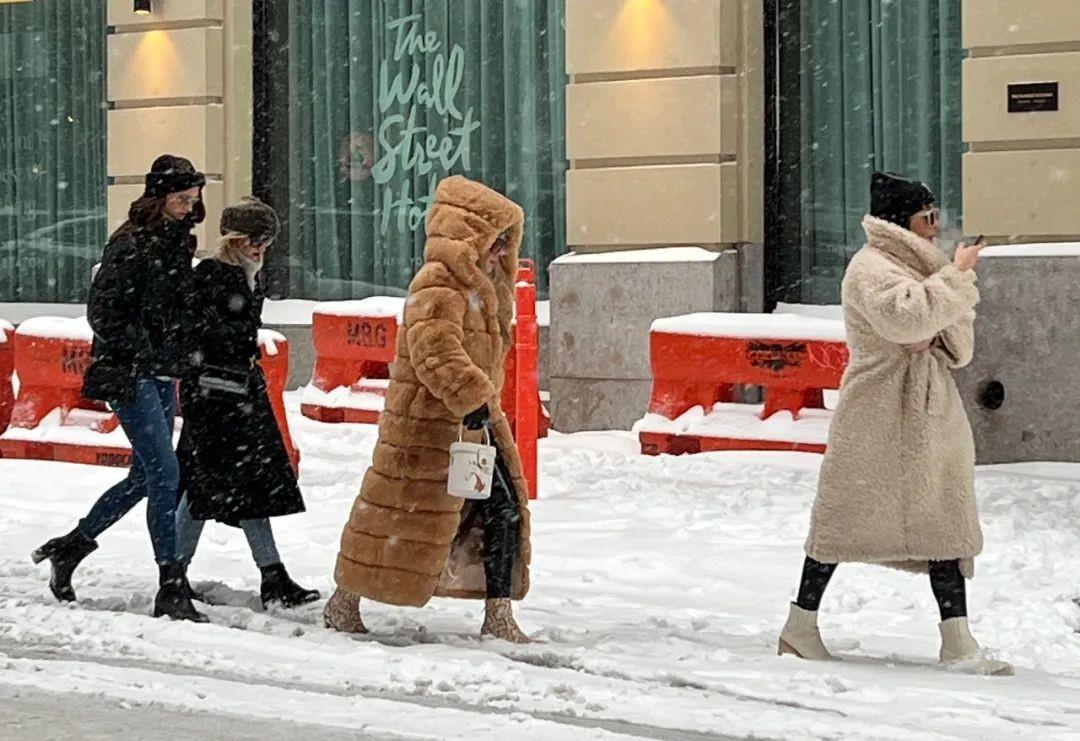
pixel 172 599
pixel 278 587
pixel 65 553
pixel 190 590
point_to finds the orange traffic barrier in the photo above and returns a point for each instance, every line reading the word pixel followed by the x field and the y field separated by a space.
pixel 521 390
pixel 355 343
pixel 274 361
pixel 50 419
pixel 7 369
pixel 508 399
pixel 525 310
pixel 698 361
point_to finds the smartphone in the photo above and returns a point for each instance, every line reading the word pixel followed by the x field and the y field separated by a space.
pixel 974 242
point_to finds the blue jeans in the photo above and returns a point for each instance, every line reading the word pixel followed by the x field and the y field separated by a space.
pixel 260 537
pixel 154 474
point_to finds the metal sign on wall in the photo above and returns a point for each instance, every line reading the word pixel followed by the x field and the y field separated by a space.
pixel 1031 97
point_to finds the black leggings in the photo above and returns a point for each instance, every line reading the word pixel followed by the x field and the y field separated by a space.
pixel 502 523
pixel 945 579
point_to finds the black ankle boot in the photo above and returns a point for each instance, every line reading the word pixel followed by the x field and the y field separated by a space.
pixel 277 587
pixel 65 553
pixel 172 599
pixel 190 590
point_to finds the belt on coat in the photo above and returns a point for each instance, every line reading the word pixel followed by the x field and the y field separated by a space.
pixel 927 383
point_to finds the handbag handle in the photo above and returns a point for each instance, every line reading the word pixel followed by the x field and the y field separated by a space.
pixel 487 434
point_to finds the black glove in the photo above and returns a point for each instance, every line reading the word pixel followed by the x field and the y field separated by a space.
pixel 477 420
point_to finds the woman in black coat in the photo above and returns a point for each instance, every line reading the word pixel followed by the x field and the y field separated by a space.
pixel 234 467
pixel 138 311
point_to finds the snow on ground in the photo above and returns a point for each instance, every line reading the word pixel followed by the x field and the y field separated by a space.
pixel 659 587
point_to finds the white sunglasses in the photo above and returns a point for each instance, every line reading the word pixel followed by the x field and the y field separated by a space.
pixel 932 215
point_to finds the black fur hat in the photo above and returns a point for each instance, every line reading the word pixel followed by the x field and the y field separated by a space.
pixel 253 218
pixel 172 174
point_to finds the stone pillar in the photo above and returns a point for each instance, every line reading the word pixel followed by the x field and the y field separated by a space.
pixel 1022 184
pixel 179 82
pixel 1020 389
pixel 1022 173
pixel 665 135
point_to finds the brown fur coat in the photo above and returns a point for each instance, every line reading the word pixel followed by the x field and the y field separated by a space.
pixel 407 539
pixel 897 483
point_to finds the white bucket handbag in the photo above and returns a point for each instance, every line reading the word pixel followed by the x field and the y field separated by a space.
pixel 472 469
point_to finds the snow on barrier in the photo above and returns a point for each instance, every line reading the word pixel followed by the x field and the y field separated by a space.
pixel 7 370
pixel 274 361
pixel 698 360
pixel 51 420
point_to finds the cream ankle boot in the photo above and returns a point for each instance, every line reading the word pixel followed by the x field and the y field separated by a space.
pixel 499 622
pixel 342 612
pixel 961 652
pixel 800 636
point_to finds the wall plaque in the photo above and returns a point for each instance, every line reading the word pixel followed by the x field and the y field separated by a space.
pixel 1029 97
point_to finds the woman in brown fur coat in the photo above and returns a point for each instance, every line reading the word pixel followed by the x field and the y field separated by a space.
pixel 407 539
pixel 897 483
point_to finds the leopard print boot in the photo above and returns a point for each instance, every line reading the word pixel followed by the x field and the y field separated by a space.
pixel 342 612
pixel 499 622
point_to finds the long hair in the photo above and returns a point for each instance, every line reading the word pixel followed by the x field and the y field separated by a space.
pixel 223 250
pixel 148 212
pixel 504 291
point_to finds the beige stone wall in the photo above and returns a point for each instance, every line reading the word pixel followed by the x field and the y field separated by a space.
pixel 179 81
pixel 1022 171
pixel 664 123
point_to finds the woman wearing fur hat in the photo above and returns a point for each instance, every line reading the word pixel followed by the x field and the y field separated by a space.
pixel 897 483
pixel 138 311
pixel 234 467
pixel 407 539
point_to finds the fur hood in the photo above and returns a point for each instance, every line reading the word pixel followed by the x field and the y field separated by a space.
pixel 465 219
pixel 469 216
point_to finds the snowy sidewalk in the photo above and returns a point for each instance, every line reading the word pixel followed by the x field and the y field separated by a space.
pixel 659 588
pixel 44 716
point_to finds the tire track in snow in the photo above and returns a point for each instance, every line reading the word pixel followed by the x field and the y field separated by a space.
pixel 622 728
pixel 237 604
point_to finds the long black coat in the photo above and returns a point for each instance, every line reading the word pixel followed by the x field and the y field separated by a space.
pixel 138 309
pixel 233 461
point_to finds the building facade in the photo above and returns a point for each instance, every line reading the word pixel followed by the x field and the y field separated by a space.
pixel 739 132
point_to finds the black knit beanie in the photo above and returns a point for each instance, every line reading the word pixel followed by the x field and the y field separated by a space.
pixel 896 199
pixel 252 218
pixel 172 174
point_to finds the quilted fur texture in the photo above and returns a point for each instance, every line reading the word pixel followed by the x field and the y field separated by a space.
pixel 407 539
pixel 897 483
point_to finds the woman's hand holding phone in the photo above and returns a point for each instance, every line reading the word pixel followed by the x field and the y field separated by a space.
pixel 967 256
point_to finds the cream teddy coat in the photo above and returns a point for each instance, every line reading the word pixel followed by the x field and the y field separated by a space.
pixel 897 482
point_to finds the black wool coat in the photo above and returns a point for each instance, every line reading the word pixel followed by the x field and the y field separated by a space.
pixel 233 461
pixel 138 309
